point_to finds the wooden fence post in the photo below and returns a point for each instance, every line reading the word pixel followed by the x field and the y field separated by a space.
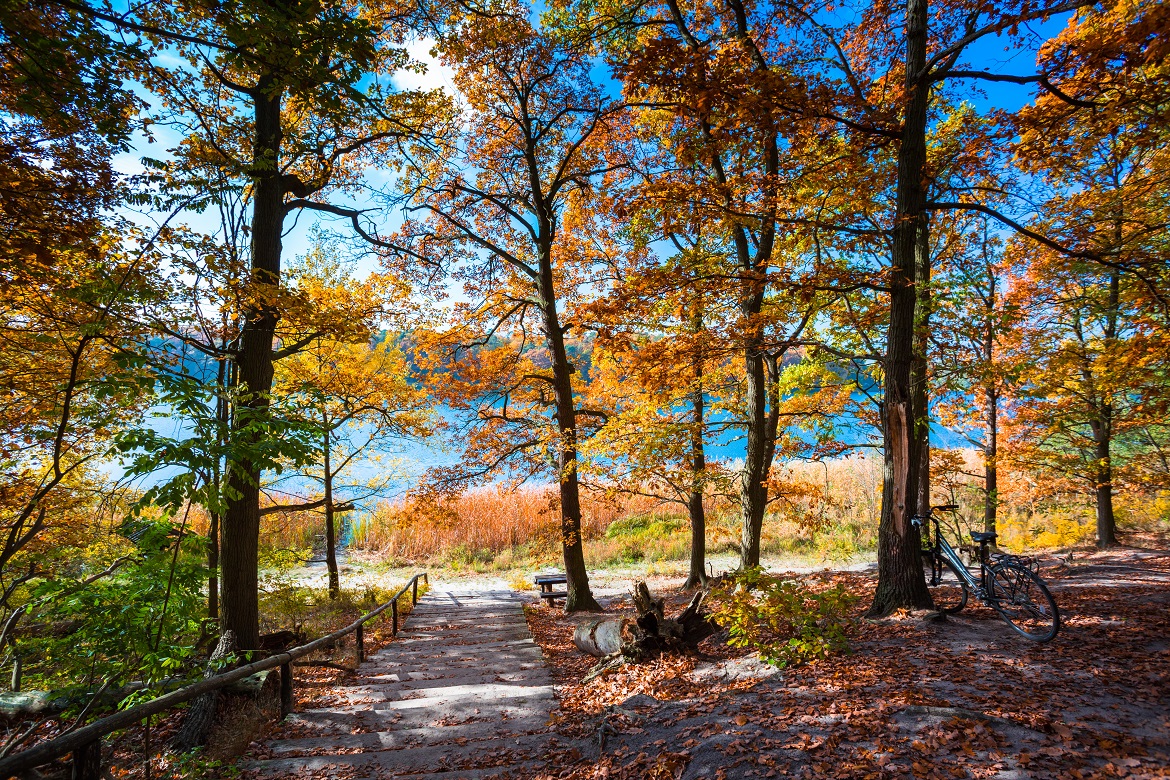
pixel 394 617
pixel 360 644
pixel 286 690
pixel 87 762
pixel 414 593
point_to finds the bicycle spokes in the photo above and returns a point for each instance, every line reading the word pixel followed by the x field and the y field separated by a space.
pixel 1021 599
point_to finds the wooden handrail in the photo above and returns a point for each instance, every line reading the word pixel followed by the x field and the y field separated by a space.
pixel 87 735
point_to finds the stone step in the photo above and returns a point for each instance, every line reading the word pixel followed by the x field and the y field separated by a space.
pixel 472 694
pixel 354 719
pixel 423 759
pixel 384 685
pixel 409 738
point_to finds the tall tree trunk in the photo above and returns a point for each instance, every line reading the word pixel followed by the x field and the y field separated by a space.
pixel 1106 522
pixel 579 598
pixel 698 573
pixel 990 465
pixel 240 534
pixel 1103 429
pixel 753 491
pixel 213 567
pixel 920 368
pixel 990 414
pixel 330 534
pixel 760 430
pixel 222 417
pixel 900 578
pixel 990 409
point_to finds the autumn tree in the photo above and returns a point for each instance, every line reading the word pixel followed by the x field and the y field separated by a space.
pixel 1095 390
pixel 529 138
pixel 715 91
pixel 1101 306
pixel 281 102
pixel 352 386
pixel 659 365
pixel 974 336
pixel 73 273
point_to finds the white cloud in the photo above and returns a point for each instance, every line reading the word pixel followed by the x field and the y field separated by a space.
pixel 436 76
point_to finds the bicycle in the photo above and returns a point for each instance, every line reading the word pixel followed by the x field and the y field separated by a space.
pixel 1009 584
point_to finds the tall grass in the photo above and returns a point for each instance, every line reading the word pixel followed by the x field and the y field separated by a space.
pixel 824 511
pixel 480 524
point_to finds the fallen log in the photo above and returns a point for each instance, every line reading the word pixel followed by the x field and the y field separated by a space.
pixel 603 636
pixel 647 635
pixel 24 705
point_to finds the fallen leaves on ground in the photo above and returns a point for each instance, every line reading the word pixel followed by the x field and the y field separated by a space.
pixel 962 698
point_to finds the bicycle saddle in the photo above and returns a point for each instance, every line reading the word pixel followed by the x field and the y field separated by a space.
pixel 983 536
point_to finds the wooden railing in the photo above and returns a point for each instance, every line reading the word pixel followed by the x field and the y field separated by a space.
pixel 85 742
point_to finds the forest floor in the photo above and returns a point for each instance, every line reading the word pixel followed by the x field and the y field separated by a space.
pixel 963 697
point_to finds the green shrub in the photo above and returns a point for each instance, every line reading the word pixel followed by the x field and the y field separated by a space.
pixel 786 621
pixel 646 527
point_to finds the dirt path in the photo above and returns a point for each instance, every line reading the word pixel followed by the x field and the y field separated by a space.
pixel 463 692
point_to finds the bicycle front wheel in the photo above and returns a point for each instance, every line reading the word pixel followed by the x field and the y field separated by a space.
pixel 1022 599
pixel 947 588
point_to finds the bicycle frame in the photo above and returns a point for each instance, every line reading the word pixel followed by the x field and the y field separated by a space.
pixel 941 547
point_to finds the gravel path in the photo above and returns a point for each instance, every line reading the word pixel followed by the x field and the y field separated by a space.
pixel 463 692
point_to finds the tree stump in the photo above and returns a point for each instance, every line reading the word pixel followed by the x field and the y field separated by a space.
pixel 618 640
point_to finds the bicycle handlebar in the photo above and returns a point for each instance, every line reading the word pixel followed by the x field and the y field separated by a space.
pixel 916 520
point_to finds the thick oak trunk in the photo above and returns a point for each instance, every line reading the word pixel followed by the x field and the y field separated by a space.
pixel 240 534
pixel 900 578
pixel 1106 522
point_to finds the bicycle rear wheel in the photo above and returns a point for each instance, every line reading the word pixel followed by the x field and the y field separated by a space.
pixel 947 588
pixel 1022 599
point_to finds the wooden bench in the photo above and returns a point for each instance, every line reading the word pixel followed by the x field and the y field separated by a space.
pixel 546 583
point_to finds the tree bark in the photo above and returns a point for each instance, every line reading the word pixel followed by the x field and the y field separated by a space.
pixel 1106 522
pixel 579 598
pixel 240 534
pixel 760 435
pixel 990 467
pixel 330 533
pixel 1103 431
pixel 753 491
pixel 698 573
pixel 201 715
pixel 991 415
pixel 900 577
pixel 920 367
